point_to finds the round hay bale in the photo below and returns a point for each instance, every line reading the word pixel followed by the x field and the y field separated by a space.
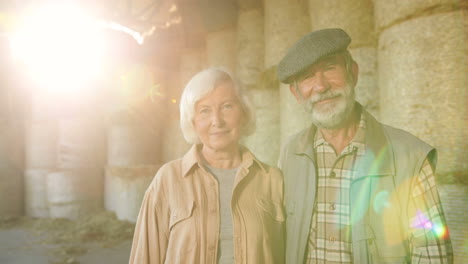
pixel 175 145
pixel 72 193
pixel 125 188
pixel 265 141
pixel 422 80
pixel 293 116
pixel 250 46
pixel 80 144
pixel 285 23
pixel 35 193
pixel 191 62
pixel 11 192
pixel 389 12
pixel 41 145
pixel 221 48
pixel 131 145
pixel 354 16
pixel 366 90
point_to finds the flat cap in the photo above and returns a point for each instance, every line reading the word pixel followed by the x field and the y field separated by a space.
pixel 309 49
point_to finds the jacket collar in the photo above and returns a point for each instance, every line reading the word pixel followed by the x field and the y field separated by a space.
pixel 192 159
pixel 378 159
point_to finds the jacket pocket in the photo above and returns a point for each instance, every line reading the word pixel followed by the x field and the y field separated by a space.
pixel 274 209
pixel 179 214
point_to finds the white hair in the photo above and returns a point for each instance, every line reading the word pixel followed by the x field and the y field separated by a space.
pixel 201 85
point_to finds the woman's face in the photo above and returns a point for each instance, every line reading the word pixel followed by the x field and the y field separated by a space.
pixel 219 118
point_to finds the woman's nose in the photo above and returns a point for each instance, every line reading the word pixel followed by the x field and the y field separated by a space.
pixel 218 119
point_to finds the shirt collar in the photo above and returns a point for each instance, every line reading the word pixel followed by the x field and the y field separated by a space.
pixel 193 159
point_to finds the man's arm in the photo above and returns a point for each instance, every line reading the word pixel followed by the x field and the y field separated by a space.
pixel 429 237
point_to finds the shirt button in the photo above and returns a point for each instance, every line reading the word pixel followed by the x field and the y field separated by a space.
pixel 332 206
pixel 332 174
pixel 332 239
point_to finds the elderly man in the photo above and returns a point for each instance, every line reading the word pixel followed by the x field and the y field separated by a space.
pixel 356 191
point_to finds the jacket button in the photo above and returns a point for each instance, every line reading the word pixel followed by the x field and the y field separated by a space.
pixel 332 174
pixel 332 206
pixel 332 239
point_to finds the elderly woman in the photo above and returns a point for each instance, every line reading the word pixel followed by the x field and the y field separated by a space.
pixel 218 203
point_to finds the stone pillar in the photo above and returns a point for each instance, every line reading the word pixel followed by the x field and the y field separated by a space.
pixel 285 23
pixel 221 48
pixel 422 78
pixel 357 18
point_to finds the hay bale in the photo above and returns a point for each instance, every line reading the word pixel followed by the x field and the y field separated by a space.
pixel 285 23
pixel 80 143
pixel 250 46
pixel 390 12
pixel 125 188
pixel 366 90
pixel 191 62
pixel 265 141
pixel 75 192
pixel 131 145
pixel 41 145
pixel 354 16
pixel 221 48
pixel 293 116
pixel 35 193
pixel 422 80
pixel 11 192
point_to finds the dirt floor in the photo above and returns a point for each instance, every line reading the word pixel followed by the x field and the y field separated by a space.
pixel 99 238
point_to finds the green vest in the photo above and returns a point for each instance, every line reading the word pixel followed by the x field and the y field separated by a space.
pixel 383 179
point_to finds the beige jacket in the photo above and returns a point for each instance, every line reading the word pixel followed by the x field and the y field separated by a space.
pixel 179 218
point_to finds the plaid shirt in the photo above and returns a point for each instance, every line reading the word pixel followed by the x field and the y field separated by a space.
pixel 330 232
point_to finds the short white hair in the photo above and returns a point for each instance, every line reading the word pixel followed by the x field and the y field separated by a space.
pixel 201 85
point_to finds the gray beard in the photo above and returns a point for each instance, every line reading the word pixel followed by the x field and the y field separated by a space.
pixel 331 116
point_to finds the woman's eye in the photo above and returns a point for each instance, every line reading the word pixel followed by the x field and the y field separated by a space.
pixel 204 111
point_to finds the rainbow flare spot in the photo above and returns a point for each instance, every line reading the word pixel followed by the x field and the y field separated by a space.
pixel 423 222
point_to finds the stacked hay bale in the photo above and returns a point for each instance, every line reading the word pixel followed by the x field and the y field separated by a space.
pixel 40 160
pixel 422 78
pixel 250 67
pixel 357 18
pixel 423 75
pixel 11 178
pixel 76 187
pixel 133 145
pixel 285 23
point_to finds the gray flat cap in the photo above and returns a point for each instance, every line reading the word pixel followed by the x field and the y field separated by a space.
pixel 309 49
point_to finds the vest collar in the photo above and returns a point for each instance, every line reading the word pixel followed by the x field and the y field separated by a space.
pixel 378 159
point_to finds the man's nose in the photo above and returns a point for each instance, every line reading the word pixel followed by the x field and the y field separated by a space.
pixel 320 84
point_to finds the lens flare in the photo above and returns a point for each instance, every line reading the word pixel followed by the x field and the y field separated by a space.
pixel 422 222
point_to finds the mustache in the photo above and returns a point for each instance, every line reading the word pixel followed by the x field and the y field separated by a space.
pixel 327 95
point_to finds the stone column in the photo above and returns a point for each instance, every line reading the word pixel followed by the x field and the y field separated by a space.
pixel 422 78
pixel 285 23
pixel 357 18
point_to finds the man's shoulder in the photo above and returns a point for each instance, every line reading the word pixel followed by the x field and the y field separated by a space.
pixel 294 139
pixel 404 138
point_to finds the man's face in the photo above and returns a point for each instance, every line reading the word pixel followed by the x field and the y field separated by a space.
pixel 326 92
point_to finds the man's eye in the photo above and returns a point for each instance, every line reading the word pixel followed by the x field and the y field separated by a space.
pixel 227 106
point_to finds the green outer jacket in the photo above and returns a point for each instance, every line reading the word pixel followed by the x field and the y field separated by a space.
pixel 392 156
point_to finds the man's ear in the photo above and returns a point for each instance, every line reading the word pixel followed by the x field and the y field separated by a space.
pixel 293 90
pixel 355 72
